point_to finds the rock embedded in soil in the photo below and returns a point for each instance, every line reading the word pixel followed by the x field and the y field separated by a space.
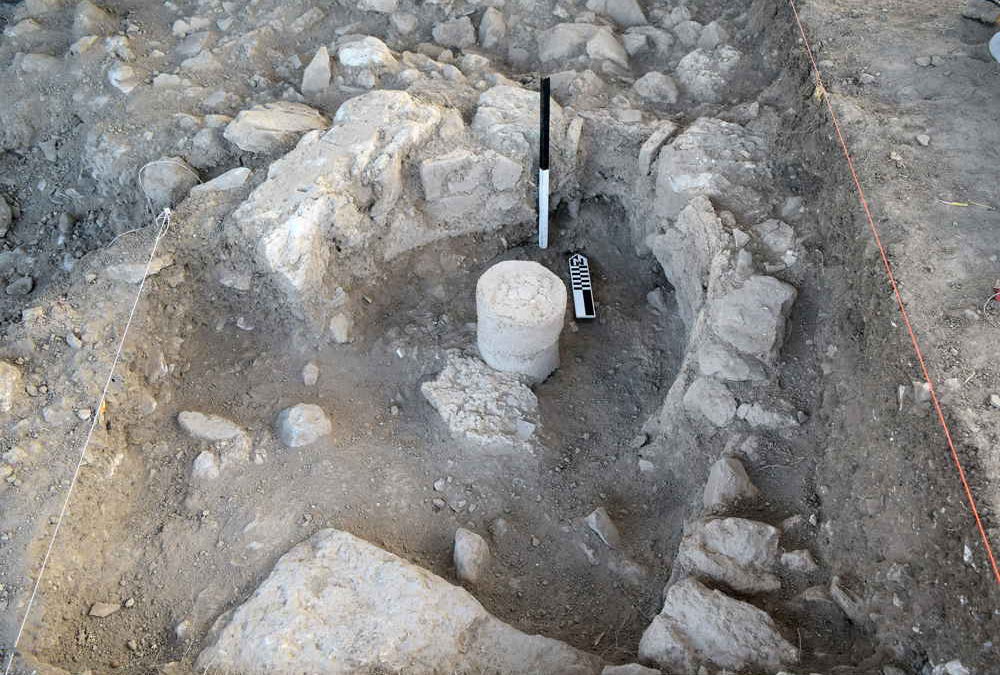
pixel 205 466
pixel 167 180
pixel 102 610
pixel 600 522
pixel 656 88
pixel 737 552
pixel 699 627
pixel 302 424
pixel 492 29
pixel 133 273
pixel 11 385
pixel 6 216
pixel 233 179
pixel 274 126
pixel 458 33
pixel 337 604
pixel 482 405
pixel 207 427
pixel 310 374
pixel 705 74
pixel 471 555
pixel 752 317
pixel 710 399
pixel 20 286
pixel 728 484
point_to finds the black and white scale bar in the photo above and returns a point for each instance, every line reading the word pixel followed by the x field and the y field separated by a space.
pixel 583 292
pixel 543 165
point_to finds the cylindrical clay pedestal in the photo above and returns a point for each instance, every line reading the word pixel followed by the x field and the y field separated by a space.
pixel 520 307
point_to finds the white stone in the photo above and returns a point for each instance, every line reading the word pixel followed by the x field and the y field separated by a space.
pixel 310 374
pixel 167 180
pixel 233 179
pixel 341 328
pixel 705 74
pixel 799 561
pixel 600 522
pixel 752 317
pixel 492 29
pixel 482 405
pixel 208 427
pixel 604 46
pixel 205 467
pixel 710 399
pixel 273 126
pixel 11 385
pixel 737 552
pixel 728 484
pixel 316 76
pixel 124 77
pixel 565 41
pixel 133 273
pixel 380 6
pixel 656 88
pixel 520 307
pixel 404 22
pixel 302 424
pixel 624 12
pixel 777 237
pixel 457 33
pixel 6 216
pixel 701 627
pixel 337 605
pixel 369 53
pixel 89 19
pixel 471 555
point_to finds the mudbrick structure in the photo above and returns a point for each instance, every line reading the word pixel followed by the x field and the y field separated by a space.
pixel 352 426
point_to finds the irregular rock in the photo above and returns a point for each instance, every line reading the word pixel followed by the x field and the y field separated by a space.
pixel 752 317
pixel 89 19
pixel 337 604
pixel 133 273
pixel 316 76
pixel 6 216
pixel 701 627
pixel 710 399
pixel 799 561
pixel 604 46
pixel 341 327
pixel 712 36
pixel 233 179
pixel 471 555
pixel 482 405
pixel 11 385
pixel 656 88
pixel 302 424
pixel 567 41
pixel 310 374
pixel 271 127
pixel 380 6
pixel 982 10
pixel 728 484
pixel 737 552
pixel 685 252
pixel 600 522
pixel 124 77
pixel 208 427
pixel 630 669
pixel 719 160
pixel 705 74
pixel 20 286
pixel 365 61
pixel 650 149
pixel 103 610
pixel 625 13
pixel 953 667
pixel 205 466
pixel 688 32
pixel 777 237
pixel 462 187
pixel 848 601
pixel 167 180
pixel 457 33
pixel 723 363
pixel 758 416
pixel 492 29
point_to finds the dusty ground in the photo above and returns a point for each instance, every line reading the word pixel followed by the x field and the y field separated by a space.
pixel 873 471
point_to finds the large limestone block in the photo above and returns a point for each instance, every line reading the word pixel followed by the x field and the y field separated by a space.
pixel 751 318
pixel 337 604
pixel 728 484
pixel 699 626
pixel 273 126
pixel 705 74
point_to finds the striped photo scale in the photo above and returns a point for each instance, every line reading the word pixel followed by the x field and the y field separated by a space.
pixel 583 292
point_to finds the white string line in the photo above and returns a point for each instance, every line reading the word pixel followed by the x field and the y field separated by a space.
pixel 163 222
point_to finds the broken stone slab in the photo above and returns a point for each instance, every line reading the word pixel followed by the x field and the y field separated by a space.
pixel 737 552
pixel 102 610
pixel 271 127
pixel 316 76
pixel 210 428
pixel 337 604
pixel 715 360
pixel 625 13
pixel 484 189
pixel 777 237
pixel 471 555
pixel 133 273
pixel 736 180
pixel 759 416
pixel 302 424
pixel 167 180
pixel 650 149
pixel 701 627
pixel 11 385
pixel 705 74
pixel 751 318
pixel 710 399
pixel 458 33
pixel 600 522
pixel 485 406
pixel 728 484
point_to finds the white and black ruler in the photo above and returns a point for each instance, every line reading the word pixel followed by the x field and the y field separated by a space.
pixel 583 291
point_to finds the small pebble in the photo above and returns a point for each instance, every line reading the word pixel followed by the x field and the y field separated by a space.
pixel 995 400
pixel 924 140
pixel 923 61
pixel 535 541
